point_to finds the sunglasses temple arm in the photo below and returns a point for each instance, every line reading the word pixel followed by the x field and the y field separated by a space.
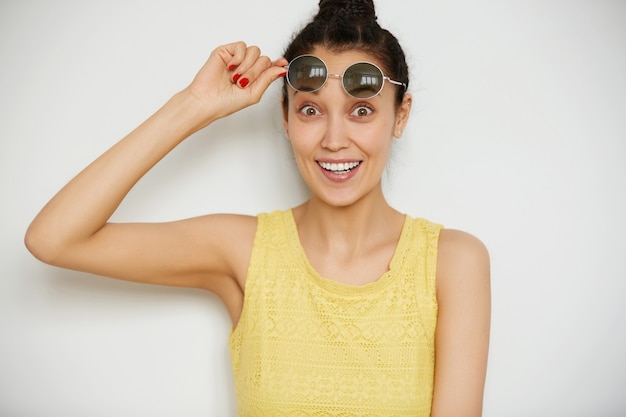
pixel 396 82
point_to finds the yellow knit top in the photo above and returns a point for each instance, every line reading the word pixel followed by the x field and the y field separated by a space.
pixel 309 346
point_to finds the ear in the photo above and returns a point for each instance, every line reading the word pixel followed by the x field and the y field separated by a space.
pixel 402 115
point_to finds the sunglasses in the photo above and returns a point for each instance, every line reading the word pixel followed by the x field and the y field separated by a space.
pixel 308 73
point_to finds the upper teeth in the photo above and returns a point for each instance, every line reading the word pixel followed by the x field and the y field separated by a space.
pixel 341 166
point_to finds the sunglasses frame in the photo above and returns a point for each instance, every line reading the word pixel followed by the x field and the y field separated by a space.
pixel 341 76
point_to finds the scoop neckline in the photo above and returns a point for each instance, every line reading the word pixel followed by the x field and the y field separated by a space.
pixel 337 287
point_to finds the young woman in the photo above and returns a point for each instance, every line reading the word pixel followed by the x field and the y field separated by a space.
pixel 341 305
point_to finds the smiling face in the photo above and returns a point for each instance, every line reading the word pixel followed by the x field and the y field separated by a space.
pixel 341 143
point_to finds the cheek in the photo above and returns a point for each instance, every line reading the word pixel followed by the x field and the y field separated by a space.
pixel 376 139
pixel 301 139
pixel 301 133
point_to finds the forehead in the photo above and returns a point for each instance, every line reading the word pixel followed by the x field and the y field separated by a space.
pixel 337 62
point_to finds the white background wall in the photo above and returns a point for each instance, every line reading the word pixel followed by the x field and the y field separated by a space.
pixel 518 136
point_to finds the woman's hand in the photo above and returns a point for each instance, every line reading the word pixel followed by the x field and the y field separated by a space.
pixel 234 77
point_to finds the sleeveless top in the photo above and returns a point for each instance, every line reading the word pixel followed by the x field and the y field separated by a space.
pixel 310 346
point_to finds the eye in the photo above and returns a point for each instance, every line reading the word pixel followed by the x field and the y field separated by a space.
pixel 362 111
pixel 309 110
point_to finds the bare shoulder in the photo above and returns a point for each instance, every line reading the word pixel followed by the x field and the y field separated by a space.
pixel 232 237
pixel 460 242
pixel 461 256
pixel 234 231
pixel 463 324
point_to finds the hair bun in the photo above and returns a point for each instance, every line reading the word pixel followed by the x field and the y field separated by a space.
pixel 347 9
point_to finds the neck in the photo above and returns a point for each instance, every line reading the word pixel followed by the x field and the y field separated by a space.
pixel 347 228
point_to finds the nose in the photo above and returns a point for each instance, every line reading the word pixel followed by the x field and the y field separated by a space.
pixel 336 134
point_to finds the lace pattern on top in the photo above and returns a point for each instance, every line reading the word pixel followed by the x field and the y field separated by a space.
pixel 309 346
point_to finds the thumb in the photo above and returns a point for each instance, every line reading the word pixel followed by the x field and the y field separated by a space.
pixel 266 79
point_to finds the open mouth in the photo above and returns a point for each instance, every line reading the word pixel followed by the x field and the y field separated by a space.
pixel 340 167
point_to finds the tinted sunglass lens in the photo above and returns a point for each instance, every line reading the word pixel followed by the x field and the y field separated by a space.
pixel 307 73
pixel 363 80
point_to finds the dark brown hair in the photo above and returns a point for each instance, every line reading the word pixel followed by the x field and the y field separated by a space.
pixel 342 25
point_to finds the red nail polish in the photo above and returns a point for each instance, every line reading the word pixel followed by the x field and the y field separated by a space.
pixel 282 75
pixel 232 67
pixel 236 77
pixel 244 82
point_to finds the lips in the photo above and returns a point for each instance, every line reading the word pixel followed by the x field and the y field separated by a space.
pixel 339 172
pixel 339 167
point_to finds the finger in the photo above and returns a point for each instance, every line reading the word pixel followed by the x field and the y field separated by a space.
pixel 264 80
pixel 280 62
pixel 249 59
pixel 232 54
pixel 261 64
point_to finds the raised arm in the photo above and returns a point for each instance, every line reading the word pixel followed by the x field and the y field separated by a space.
pixel 462 335
pixel 72 230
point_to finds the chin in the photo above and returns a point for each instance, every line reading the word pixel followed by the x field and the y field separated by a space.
pixel 342 199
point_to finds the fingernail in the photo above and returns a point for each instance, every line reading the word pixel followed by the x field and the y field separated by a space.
pixel 236 77
pixel 244 82
pixel 282 75
pixel 232 67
